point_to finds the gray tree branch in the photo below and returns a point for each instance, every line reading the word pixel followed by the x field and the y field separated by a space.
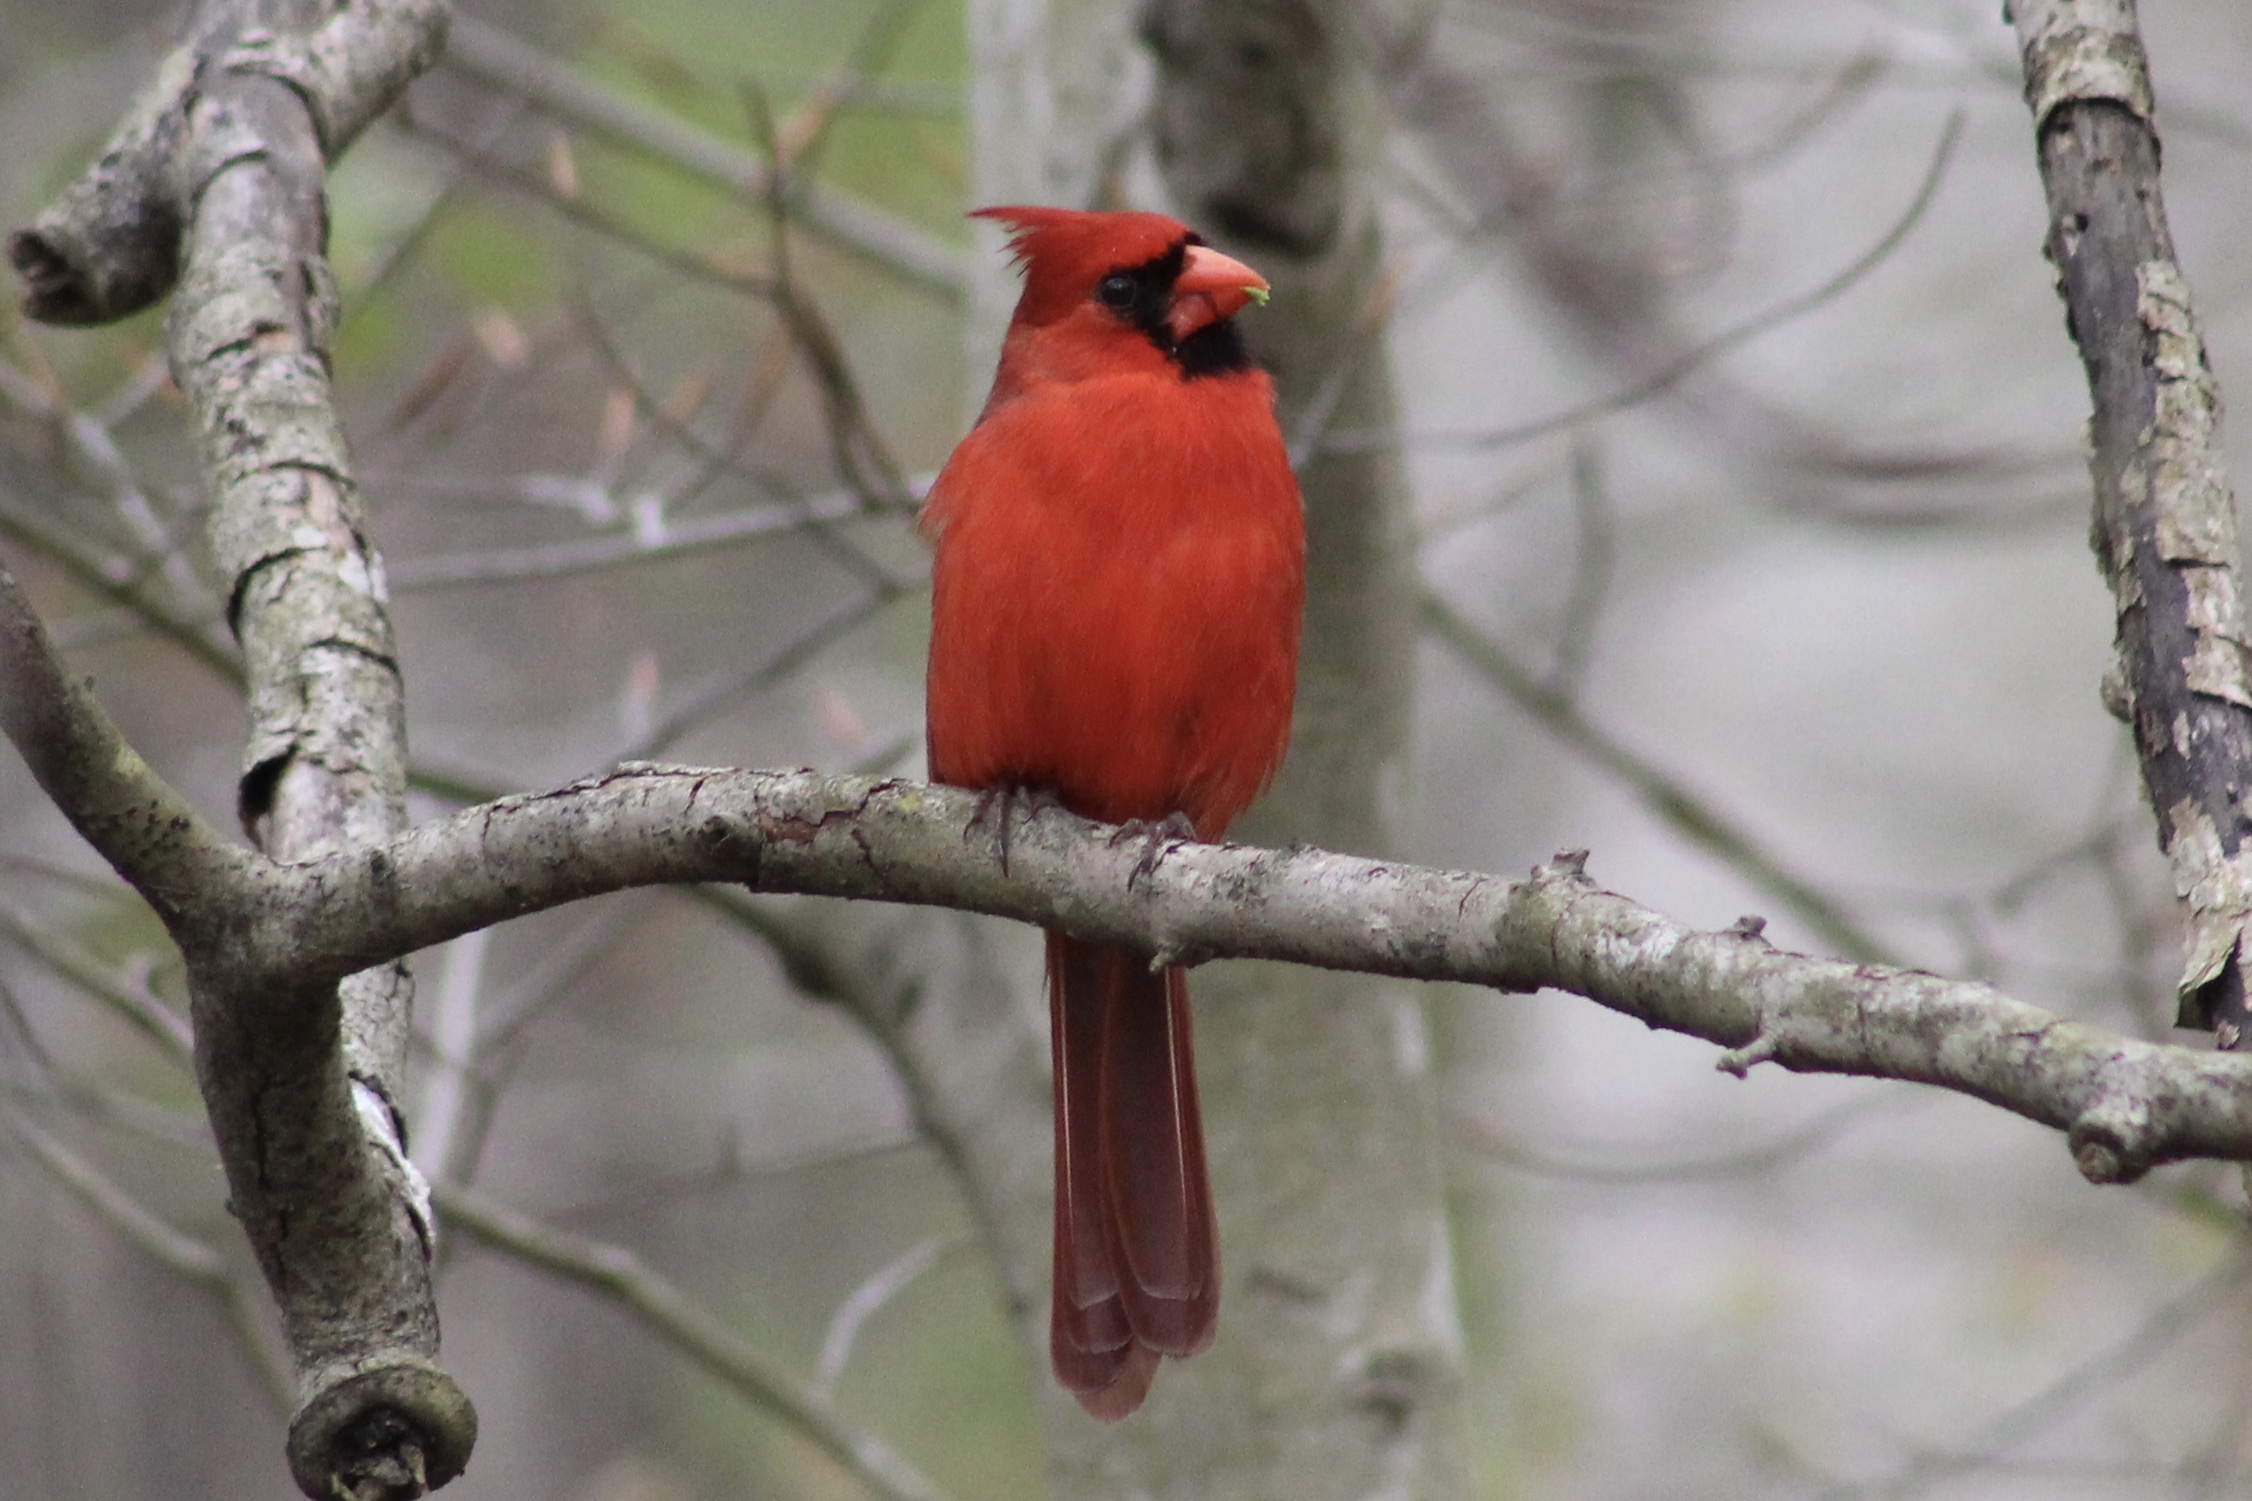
pixel 672 1316
pixel 2165 520
pixel 2125 1105
pixel 1688 814
pixel 501 61
pixel 218 177
pixel 110 244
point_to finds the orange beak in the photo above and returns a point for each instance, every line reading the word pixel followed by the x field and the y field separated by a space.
pixel 1211 287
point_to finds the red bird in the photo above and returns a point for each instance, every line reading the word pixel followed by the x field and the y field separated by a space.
pixel 1114 623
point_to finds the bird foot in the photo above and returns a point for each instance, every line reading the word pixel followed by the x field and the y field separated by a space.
pixel 1000 802
pixel 1156 836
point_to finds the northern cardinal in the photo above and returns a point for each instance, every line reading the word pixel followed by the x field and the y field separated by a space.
pixel 1114 624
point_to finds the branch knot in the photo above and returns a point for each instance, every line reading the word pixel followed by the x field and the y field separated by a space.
pixel 397 1428
pixel 1564 865
pixel 2111 1140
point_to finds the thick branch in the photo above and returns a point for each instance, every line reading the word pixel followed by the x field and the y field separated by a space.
pixel 156 841
pixel 2165 524
pixel 222 174
pixel 2127 1105
pixel 109 245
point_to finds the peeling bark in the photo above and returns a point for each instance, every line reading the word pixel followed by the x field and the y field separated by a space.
pixel 2165 529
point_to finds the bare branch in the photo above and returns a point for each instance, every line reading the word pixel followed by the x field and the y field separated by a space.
pixel 451 1106
pixel 858 454
pixel 303 1081
pixel 2127 1104
pixel 767 671
pixel 971 1106
pixel 118 579
pixel 176 1251
pixel 110 244
pixel 222 176
pixel 1683 810
pixel 866 1301
pixel 665 1311
pixel 2165 1324
pixel 669 539
pixel 159 843
pixel 501 61
pixel 1688 361
pixel 476 155
pixel 135 1003
pixel 801 139
pixel 1591 575
pixel 89 440
pixel 2165 524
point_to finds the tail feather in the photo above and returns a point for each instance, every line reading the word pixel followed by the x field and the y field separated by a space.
pixel 1136 1258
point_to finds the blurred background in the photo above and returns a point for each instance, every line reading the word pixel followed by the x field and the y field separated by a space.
pixel 1743 436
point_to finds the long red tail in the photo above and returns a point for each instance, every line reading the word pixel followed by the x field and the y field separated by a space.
pixel 1137 1272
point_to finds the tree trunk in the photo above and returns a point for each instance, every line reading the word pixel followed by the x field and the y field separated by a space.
pixel 1337 1370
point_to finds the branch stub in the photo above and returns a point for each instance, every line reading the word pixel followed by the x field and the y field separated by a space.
pixel 375 1424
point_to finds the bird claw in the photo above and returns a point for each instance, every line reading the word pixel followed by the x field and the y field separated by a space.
pixel 1004 798
pixel 1173 828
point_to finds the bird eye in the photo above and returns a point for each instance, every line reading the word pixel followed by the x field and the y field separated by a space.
pixel 1116 291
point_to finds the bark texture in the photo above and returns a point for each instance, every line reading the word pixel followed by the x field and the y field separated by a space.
pixel 2165 529
pixel 218 179
pixel 2125 1105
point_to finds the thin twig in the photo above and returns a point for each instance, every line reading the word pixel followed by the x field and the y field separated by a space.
pixel 89 439
pixel 495 58
pixel 580 211
pixel 118 580
pixel 2014 1425
pixel 671 539
pixel 1692 360
pixel 1591 579
pixel 668 1313
pixel 844 411
pixel 769 670
pixel 131 1000
pixel 1488 1139
pixel 867 1300
pixel 176 1251
pixel 796 147
pixel 1687 813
